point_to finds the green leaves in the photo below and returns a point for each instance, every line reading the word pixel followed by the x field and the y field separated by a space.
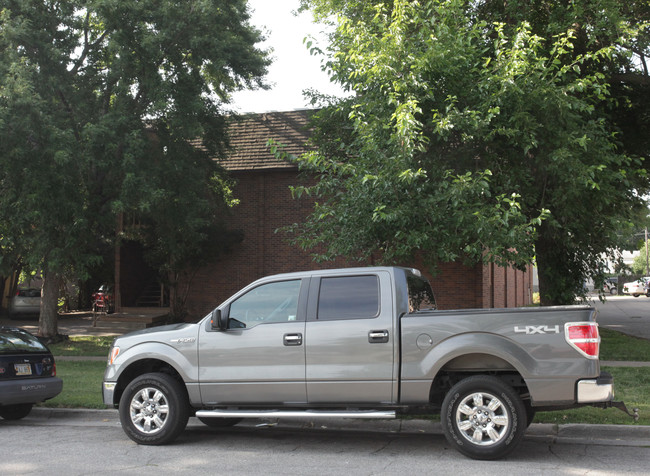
pixel 99 102
pixel 478 131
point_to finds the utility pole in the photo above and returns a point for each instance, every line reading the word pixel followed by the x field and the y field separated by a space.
pixel 647 267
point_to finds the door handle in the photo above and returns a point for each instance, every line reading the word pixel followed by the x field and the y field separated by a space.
pixel 293 339
pixel 378 337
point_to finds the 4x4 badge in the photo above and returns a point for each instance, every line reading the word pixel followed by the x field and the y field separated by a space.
pixel 537 330
pixel 183 340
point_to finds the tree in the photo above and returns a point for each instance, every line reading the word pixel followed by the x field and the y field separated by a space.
pixel 640 263
pixel 91 91
pixel 475 140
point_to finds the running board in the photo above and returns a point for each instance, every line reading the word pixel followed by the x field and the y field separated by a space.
pixel 294 414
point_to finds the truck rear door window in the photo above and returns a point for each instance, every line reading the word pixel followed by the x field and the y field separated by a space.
pixel 349 297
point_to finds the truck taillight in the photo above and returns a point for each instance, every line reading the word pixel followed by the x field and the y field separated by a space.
pixel 584 337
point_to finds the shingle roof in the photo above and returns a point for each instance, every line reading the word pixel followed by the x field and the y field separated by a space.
pixel 250 133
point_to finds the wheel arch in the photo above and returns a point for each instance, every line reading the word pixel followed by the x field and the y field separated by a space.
pixel 477 363
pixel 463 355
pixel 141 367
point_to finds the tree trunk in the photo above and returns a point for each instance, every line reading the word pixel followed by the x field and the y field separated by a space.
pixel 48 326
pixel 560 276
pixel 3 281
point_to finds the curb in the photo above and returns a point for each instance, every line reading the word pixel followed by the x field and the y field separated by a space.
pixel 604 435
pixel 616 363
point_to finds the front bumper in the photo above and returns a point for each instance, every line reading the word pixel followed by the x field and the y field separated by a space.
pixel 108 391
pixel 596 390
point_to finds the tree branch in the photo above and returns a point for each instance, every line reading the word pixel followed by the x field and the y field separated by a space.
pixel 87 47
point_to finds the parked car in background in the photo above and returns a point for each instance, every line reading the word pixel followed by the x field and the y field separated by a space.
pixel 25 302
pixel 638 287
pixel 611 285
pixel 27 373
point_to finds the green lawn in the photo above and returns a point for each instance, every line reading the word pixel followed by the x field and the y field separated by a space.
pixel 83 379
pixel 82 384
pixel 618 346
pixel 93 346
pixel 82 388
pixel 631 385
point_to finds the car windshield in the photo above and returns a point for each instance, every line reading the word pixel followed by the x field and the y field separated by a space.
pixel 16 341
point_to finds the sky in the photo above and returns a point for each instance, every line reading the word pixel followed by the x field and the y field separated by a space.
pixel 293 69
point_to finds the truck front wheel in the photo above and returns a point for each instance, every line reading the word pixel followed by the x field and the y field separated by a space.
pixel 154 409
pixel 483 418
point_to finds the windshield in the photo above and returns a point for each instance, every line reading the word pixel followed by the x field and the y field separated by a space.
pixel 16 340
pixel 420 294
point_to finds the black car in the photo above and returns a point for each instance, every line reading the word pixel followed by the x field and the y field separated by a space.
pixel 27 373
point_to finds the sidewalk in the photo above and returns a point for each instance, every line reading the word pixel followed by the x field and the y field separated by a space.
pixel 75 324
pixel 608 435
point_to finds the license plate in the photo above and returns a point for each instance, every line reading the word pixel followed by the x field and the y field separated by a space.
pixel 23 369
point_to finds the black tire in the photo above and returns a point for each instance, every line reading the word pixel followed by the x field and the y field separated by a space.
pixel 219 422
pixel 483 418
pixel 154 409
pixel 15 412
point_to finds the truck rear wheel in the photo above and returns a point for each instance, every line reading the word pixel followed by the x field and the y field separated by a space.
pixel 483 418
pixel 154 409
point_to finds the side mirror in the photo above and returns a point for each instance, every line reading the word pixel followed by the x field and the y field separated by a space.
pixel 218 321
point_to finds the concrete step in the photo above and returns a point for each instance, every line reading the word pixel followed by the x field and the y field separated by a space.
pixel 132 319
pixel 104 324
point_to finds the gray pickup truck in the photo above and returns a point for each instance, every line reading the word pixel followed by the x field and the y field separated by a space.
pixel 358 343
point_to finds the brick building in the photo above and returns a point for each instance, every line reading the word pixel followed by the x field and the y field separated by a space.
pixel 266 205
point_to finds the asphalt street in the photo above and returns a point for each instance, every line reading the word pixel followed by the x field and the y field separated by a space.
pixel 625 314
pixel 606 435
pixel 91 442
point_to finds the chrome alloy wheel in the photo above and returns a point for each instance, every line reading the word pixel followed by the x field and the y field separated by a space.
pixel 149 410
pixel 482 419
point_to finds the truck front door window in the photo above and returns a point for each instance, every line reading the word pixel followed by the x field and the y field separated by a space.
pixel 273 302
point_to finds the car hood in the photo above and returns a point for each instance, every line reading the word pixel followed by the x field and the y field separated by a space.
pixel 633 283
pixel 160 329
